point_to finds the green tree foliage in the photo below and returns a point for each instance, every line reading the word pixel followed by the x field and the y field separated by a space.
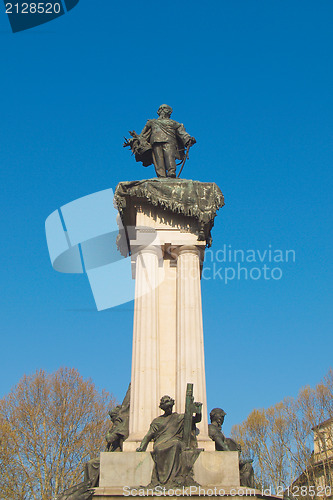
pixel 50 425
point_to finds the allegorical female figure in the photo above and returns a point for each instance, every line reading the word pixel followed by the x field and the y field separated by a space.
pixel 167 433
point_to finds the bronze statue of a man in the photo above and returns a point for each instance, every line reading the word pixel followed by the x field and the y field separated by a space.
pixel 227 444
pixel 167 433
pixel 161 142
pixel 215 429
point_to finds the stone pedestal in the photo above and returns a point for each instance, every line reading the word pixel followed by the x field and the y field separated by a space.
pixel 217 468
pixel 134 469
pixel 125 469
pixel 168 349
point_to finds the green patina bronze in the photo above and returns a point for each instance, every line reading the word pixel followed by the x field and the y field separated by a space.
pixel 222 443
pixel 191 407
pixel 175 444
pixel 161 142
pixel 198 200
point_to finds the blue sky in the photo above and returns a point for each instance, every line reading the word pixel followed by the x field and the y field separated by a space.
pixel 252 81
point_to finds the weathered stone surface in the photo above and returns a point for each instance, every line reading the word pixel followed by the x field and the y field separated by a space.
pixel 218 469
pixel 125 469
pixel 133 469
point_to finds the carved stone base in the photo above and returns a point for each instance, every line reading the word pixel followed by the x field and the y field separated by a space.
pixel 133 469
pixel 217 468
pixel 125 469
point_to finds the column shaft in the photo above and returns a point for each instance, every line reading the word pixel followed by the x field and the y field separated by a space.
pixel 190 346
pixel 145 358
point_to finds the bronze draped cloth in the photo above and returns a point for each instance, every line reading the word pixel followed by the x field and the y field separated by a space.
pixel 200 200
pixel 167 435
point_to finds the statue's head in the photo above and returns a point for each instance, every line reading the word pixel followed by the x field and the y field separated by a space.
pixel 217 415
pixel 164 110
pixel 114 412
pixel 166 403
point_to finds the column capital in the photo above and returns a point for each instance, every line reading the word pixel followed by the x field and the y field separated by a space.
pixel 198 250
pixel 155 249
pixel 188 249
pixel 138 249
pixel 142 250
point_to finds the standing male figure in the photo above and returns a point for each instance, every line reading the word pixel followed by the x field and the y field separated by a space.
pixel 161 142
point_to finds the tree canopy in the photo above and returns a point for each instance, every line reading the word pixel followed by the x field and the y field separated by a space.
pixel 280 439
pixel 50 425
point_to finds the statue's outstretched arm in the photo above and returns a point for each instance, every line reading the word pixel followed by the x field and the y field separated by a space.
pixel 146 440
pixel 146 131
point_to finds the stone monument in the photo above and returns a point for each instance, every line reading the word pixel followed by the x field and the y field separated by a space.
pixel 168 349
pixel 165 226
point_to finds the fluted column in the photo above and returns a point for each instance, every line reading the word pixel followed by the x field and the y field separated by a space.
pixel 190 346
pixel 145 357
